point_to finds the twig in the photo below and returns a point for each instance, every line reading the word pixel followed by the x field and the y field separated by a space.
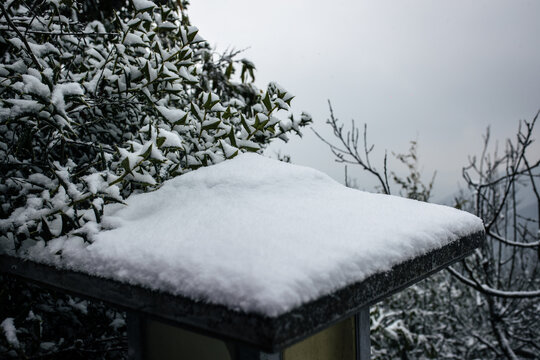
pixel 350 148
pixel 78 33
pixel 23 39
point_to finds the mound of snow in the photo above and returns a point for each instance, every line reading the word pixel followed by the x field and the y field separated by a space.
pixel 258 235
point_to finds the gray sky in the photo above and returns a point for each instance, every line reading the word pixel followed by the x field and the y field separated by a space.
pixel 439 72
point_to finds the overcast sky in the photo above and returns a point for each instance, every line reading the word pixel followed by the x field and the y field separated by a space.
pixel 439 72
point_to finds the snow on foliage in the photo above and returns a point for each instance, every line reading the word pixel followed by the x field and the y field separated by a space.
pixel 10 332
pixel 91 113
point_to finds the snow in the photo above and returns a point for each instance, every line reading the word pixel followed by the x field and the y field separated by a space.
pixel 143 4
pixel 170 138
pixel 256 235
pixel 228 150
pixel 133 40
pixel 47 345
pixel 62 90
pixel 81 306
pixel 10 332
pixel 19 107
pixel 172 115
pixel 95 182
pixel 117 323
pixel 33 85
pixel 186 75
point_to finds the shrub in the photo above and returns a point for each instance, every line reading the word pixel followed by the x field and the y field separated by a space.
pixel 98 101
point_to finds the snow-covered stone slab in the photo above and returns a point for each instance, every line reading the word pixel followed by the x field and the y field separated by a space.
pixel 258 235
pixel 260 242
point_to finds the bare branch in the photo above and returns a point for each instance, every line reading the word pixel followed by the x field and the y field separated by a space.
pixel 513 243
pixel 491 291
pixel 347 151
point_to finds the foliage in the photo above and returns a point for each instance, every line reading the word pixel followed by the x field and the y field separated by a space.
pixel 412 186
pixel 103 99
pixel 488 305
pixel 91 114
pixel 52 325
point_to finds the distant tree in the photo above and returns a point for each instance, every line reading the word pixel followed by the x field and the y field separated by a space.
pixel 98 100
pixel 487 306
pixel 505 272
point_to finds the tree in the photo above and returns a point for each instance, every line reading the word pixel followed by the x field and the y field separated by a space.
pixel 100 100
pixel 505 271
pixel 489 303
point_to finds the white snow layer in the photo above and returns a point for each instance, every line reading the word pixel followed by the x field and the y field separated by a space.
pixel 257 235
pixel 10 332
pixel 143 4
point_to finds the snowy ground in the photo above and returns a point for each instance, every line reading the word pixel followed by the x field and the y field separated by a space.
pixel 258 235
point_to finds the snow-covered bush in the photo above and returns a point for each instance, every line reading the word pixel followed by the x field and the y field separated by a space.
pixel 98 100
pixel 91 112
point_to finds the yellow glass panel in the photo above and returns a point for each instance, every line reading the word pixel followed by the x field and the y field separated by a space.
pixel 165 342
pixel 334 343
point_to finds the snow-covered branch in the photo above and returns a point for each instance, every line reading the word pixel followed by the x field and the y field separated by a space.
pixel 491 291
